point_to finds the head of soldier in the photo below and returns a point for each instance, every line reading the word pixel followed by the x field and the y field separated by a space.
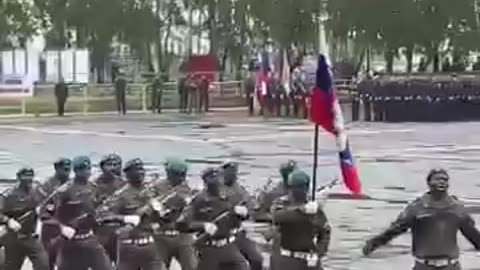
pixel 298 184
pixel 63 168
pixel 211 179
pixel 176 170
pixel 286 169
pixel 25 177
pixel 110 165
pixel 437 181
pixel 82 167
pixel 134 171
pixel 230 173
pixel 117 164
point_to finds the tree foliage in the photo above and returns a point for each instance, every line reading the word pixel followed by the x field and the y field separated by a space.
pixel 237 26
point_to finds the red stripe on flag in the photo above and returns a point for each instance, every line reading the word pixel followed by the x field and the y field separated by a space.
pixel 321 109
pixel 350 178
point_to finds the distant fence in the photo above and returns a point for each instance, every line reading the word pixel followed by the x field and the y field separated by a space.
pixel 89 98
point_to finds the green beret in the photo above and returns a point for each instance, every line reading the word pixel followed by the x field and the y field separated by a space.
pixel 135 163
pixel 81 163
pixel 176 165
pixel 288 167
pixel 25 171
pixel 62 162
pixel 298 178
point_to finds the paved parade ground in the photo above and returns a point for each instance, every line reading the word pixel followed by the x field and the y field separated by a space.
pixel 393 160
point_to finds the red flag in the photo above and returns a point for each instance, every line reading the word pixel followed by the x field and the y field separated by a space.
pixel 325 111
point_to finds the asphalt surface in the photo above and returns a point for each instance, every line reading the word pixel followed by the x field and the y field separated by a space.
pixel 393 160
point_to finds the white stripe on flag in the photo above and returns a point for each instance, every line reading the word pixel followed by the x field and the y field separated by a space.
pixel 341 141
pixel 338 122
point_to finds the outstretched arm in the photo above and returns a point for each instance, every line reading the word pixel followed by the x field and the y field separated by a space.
pixel 398 227
pixel 467 227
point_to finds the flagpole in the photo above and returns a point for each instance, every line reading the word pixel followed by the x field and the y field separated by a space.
pixel 315 162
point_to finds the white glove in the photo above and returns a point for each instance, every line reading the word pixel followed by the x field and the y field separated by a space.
pixel 133 220
pixel 67 231
pixel 310 208
pixel 210 228
pixel 13 225
pixel 159 208
pixel 3 230
pixel 241 210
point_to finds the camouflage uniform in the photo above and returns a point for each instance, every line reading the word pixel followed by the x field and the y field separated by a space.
pixel 75 210
pixel 106 185
pixel 50 228
pixel 171 243
pixel 237 194
pixel 434 223
pixel 136 245
pixel 304 236
pixel 18 212
pixel 269 194
pixel 211 209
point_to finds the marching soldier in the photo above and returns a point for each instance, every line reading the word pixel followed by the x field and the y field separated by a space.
pixel 106 185
pixel 171 243
pixel 50 228
pixel 434 219
pixel 18 212
pixel 214 216
pixel 74 210
pixel 136 245
pixel 304 232
pixel 268 195
pixel 236 194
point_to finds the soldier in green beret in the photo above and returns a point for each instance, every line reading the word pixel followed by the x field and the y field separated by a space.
pixel 304 232
pixel 268 194
pixel 172 243
pixel 237 194
pixel 74 209
pixel 18 213
pixel 50 228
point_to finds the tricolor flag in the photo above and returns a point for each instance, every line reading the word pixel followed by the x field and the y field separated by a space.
pixel 325 111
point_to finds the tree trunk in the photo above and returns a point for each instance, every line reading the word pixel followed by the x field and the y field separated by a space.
pixel 389 58
pixel 409 55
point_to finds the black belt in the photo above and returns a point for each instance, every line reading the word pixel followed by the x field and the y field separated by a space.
pixel 220 242
pixel 139 241
pixel 27 235
pixel 83 236
pixel 437 262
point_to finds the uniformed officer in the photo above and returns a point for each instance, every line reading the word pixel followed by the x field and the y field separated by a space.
pixel 18 212
pixel 236 194
pixel 183 94
pixel 214 216
pixel 136 245
pixel 106 185
pixel 120 93
pixel 61 95
pixel 434 219
pixel 204 93
pixel 171 243
pixel 50 228
pixel 75 211
pixel 269 194
pixel 157 94
pixel 249 90
pixel 304 232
